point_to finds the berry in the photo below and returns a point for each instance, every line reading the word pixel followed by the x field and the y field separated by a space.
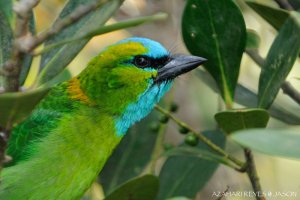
pixel 191 140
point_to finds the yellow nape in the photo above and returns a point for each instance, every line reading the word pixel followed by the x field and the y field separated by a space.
pixel 76 93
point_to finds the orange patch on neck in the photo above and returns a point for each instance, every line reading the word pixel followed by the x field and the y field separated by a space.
pixel 76 93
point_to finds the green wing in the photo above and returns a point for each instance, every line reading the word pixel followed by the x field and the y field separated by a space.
pixel 45 118
pixel 37 126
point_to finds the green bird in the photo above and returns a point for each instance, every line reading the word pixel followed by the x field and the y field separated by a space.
pixel 61 148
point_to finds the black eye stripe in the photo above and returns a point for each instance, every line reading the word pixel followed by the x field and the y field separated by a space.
pixel 146 61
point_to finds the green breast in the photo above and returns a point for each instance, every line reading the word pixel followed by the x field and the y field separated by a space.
pixel 64 162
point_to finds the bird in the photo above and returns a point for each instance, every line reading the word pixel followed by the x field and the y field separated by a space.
pixel 59 150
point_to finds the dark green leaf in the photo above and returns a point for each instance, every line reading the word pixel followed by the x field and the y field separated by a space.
pixel 215 30
pixel 285 143
pixel 279 61
pixel 6 37
pixel 275 16
pixel 138 143
pixel 196 152
pixel 295 4
pixel 28 58
pixel 142 188
pixel 253 39
pixel 7 11
pixel 14 107
pixel 246 97
pixel 186 175
pixel 234 120
pixel 56 60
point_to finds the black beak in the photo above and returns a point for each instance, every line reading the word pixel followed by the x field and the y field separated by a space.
pixel 177 65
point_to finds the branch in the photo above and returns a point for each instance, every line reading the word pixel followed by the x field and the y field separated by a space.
pixel 12 67
pixel 286 87
pixel 289 90
pixel 60 25
pixel 252 174
pixel 204 139
pixel 284 4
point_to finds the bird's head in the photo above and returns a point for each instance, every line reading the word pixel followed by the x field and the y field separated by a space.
pixel 128 78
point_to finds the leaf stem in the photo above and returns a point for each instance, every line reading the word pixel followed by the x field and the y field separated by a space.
pixel 286 87
pixel 204 139
pixel 252 174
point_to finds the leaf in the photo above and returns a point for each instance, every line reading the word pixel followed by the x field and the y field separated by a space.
pixel 53 62
pixel 215 29
pixel 234 120
pixel 14 107
pixel 28 58
pixel 142 188
pixel 6 37
pixel 284 143
pixel 246 97
pixel 275 16
pixel 186 175
pixel 7 11
pixel 253 39
pixel 279 61
pixel 196 152
pixel 109 28
pixel 138 143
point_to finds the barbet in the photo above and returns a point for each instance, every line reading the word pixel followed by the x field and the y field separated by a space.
pixel 61 148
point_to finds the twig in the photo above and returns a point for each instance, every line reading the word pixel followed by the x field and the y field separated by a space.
pixel 12 67
pixel 284 4
pixel 204 139
pixel 73 17
pixel 252 174
pixel 286 87
pixel 23 11
pixel 289 90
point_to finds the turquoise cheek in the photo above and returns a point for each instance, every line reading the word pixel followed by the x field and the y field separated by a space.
pixel 142 107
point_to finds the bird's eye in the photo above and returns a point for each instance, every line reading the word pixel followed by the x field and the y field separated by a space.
pixel 142 61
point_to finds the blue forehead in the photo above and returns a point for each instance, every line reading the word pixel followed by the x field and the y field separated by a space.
pixel 156 50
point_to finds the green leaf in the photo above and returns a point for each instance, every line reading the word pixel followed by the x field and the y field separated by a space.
pixel 6 11
pixel 54 61
pixel 28 58
pixel 177 176
pixel 109 28
pixel 246 97
pixel 279 61
pixel 234 120
pixel 215 30
pixel 275 16
pixel 138 142
pixel 285 143
pixel 253 39
pixel 196 152
pixel 142 188
pixel 14 107
pixel 6 37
